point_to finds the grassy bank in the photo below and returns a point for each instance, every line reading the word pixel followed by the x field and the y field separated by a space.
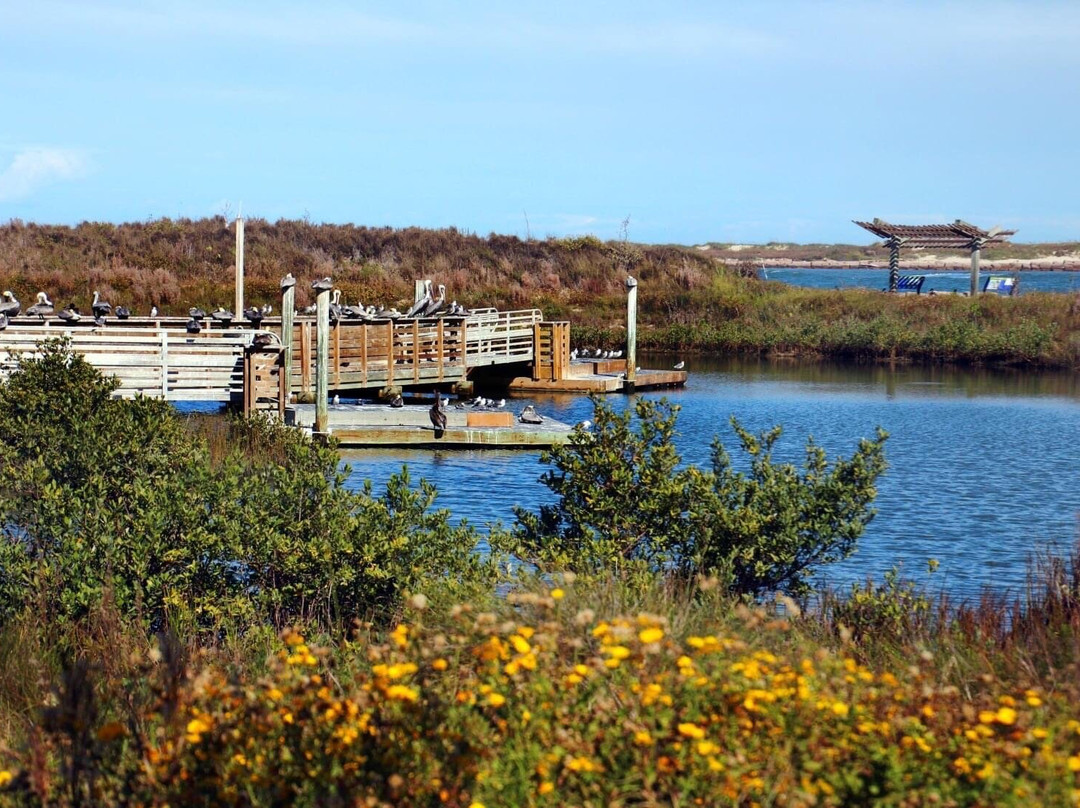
pixel 688 300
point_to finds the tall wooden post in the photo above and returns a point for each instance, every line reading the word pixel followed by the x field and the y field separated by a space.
pixel 288 309
pixel 975 249
pixel 894 264
pixel 239 267
pixel 322 358
pixel 631 332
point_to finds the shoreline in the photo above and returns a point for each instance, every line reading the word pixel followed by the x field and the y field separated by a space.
pixel 985 265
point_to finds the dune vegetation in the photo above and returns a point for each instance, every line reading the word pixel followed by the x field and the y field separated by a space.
pixel 688 300
pixel 197 612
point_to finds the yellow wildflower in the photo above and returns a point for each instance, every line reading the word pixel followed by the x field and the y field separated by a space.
pixel 1006 715
pixel 521 645
pixel 1074 763
pixel 557 594
pixel 651 635
pixel 402 693
pixel 691 730
pixel 582 764
pixel 400 635
pixel 546 787
pixel 705 748
pixel 617 651
pixel 496 699
pixel 5 777
pixel 643 738
pixel 439 664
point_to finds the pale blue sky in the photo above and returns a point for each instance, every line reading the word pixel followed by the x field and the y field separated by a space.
pixel 741 121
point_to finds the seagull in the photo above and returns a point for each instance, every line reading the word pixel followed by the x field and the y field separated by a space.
pixel 99 307
pixel 679 365
pixel 194 325
pixel 222 315
pixel 500 403
pixel 438 416
pixel 43 308
pixel 123 312
pixel 153 311
pixel 196 314
pixel 10 307
pixel 599 353
pixel 267 310
pixel 573 355
pixel 336 400
pixel 420 305
pixel 616 354
pixel 69 314
pixel 585 425
pixel 397 402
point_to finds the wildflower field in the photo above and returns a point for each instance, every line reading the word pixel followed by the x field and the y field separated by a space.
pixel 543 700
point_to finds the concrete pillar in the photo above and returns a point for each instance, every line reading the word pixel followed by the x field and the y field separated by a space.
pixel 631 332
pixel 239 268
pixel 975 249
pixel 322 358
pixel 288 309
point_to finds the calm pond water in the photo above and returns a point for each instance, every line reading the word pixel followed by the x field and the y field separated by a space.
pixel 937 280
pixel 983 465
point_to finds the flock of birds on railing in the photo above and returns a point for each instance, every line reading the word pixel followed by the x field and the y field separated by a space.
pixel 429 305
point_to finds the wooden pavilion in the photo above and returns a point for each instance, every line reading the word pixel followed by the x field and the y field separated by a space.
pixel 958 235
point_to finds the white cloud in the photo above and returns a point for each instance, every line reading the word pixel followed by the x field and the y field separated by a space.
pixel 35 168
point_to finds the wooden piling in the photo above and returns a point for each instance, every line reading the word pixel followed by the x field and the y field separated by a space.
pixel 631 332
pixel 239 267
pixel 975 250
pixel 322 358
pixel 288 309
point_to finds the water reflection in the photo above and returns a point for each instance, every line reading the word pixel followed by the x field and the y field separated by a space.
pixel 983 467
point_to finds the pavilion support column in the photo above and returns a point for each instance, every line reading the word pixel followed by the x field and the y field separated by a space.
pixel 975 250
pixel 894 264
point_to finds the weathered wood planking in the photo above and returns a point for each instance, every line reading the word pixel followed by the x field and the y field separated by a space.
pixel 170 364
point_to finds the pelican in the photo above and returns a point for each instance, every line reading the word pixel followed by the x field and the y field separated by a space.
pixel 69 314
pixel 3 321
pixel 420 305
pixel 287 282
pixel 323 285
pixel 357 312
pixel 438 416
pixel 194 325
pixel 99 321
pixel 679 365
pixel 10 307
pixel 222 315
pixel 123 312
pixel 43 308
pixel 254 315
pixel 198 315
pixel 99 307
pixel 529 415
pixel 436 305
pixel 153 311
pixel 335 307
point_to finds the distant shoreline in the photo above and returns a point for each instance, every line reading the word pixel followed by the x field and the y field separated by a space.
pixel 986 265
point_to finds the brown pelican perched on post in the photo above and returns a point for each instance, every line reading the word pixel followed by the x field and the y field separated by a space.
pixel 10 307
pixel 99 307
pixel 436 305
pixel 254 315
pixel 123 312
pixel 421 305
pixel 222 315
pixel 196 314
pixel 438 415
pixel 43 308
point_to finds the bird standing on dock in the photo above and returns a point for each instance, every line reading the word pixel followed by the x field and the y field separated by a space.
pixel 194 326
pixel 69 314
pixel 222 315
pixel 397 402
pixel 197 314
pixel 99 307
pixel 254 316
pixel 679 365
pixel 435 306
pixel 43 308
pixel 438 415
pixel 529 415
pixel 123 312
pixel 336 400
pixel 10 307
pixel 153 311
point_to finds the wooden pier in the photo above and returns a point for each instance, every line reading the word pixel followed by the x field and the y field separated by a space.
pixel 264 368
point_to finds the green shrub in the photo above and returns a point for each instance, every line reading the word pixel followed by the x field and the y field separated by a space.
pixel 100 495
pixel 625 500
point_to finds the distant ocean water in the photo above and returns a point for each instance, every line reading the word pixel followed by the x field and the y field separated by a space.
pixel 1032 280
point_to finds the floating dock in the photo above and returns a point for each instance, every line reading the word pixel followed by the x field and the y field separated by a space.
pixel 598 376
pixel 380 425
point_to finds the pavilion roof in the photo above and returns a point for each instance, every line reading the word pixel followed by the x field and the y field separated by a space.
pixel 957 234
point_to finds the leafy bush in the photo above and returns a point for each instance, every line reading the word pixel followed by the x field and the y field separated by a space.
pixel 625 500
pixel 100 495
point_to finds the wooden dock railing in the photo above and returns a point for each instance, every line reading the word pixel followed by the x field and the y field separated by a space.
pixel 160 363
pixel 500 337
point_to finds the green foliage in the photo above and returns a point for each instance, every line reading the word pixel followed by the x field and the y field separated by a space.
pixel 100 495
pixel 624 499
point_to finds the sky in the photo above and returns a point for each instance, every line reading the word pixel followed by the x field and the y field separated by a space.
pixel 676 122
